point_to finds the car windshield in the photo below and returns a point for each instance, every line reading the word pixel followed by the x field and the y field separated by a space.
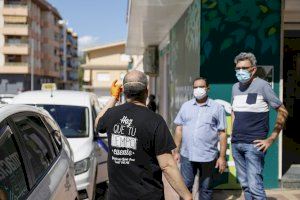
pixel 73 120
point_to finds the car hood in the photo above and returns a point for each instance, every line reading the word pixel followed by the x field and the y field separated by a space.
pixel 81 147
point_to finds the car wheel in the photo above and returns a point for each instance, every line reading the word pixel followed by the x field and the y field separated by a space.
pixel 101 191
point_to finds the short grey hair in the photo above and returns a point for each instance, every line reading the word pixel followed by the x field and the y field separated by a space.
pixel 135 84
pixel 246 56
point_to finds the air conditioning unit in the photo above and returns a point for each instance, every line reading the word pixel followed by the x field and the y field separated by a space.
pixel 150 61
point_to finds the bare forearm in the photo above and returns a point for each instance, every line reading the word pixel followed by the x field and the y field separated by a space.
pixel 111 103
pixel 178 137
pixel 223 144
pixel 282 114
pixel 173 176
pixel 232 118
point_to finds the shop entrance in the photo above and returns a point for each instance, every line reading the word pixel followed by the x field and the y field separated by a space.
pixel 291 98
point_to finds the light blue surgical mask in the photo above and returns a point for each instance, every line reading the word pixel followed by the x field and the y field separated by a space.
pixel 243 75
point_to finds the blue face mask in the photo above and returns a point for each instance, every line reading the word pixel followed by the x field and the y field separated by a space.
pixel 243 75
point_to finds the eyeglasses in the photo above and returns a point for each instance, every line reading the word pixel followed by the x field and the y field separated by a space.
pixel 242 67
pixel 199 87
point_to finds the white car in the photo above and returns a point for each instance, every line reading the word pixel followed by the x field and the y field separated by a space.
pixel 35 158
pixel 75 113
pixel 6 98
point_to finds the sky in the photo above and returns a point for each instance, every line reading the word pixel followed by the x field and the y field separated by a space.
pixel 96 22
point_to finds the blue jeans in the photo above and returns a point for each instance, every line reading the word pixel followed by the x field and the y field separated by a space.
pixel 249 163
pixel 189 170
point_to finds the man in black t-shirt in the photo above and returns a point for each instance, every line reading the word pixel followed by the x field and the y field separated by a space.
pixel 140 145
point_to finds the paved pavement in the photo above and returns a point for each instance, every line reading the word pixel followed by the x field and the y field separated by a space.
pixel 275 194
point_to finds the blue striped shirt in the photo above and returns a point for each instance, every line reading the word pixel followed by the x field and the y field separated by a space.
pixel 201 124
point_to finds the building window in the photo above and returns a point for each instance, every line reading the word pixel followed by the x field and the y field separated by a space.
pixel 103 77
pixel 14 58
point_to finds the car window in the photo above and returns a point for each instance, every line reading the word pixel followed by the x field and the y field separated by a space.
pixel 94 113
pixel 12 175
pixel 37 141
pixel 72 120
pixel 55 132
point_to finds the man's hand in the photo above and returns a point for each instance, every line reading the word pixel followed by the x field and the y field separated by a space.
pixel 116 89
pixel 176 156
pixel 189 197
pixel 263 144
pixel 221 164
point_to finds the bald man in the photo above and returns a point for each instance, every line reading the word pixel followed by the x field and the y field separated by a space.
pixel 140 145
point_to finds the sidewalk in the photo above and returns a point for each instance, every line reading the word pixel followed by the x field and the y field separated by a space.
pixel 274 194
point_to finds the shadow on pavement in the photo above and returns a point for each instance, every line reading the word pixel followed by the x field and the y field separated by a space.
pixel 227 194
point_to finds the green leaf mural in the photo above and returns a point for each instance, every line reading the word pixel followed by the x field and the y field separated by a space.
pixel 263 8
pixel 272 31
pixel 250 42
pixel 239 34
pixel 207 49
pixel 213 5
pixel 226 44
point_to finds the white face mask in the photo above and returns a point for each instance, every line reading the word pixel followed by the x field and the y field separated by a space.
pixel 199 93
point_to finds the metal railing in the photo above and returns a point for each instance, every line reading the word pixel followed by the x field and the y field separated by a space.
pixel 17 64
pixel 20 44
pixel 16 25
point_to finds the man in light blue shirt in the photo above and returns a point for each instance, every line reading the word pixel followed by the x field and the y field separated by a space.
pixel 201 124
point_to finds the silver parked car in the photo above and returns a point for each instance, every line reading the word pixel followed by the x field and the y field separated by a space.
pixel 36 161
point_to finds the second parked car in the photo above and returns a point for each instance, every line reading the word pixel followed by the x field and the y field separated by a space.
pixel 35 158
pixel 75 113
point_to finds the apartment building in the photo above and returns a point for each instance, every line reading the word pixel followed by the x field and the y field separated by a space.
pixel 104 64
pixel 68 55
pixel 30 45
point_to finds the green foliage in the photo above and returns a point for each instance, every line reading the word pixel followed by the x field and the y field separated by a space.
pixel 248 24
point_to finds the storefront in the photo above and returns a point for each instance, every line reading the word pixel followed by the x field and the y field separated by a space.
pixel 203 41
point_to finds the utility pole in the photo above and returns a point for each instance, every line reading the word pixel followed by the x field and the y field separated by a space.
pixel 32 63
pixel 65 51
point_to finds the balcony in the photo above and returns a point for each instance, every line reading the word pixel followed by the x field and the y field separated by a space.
pixel 15 68
pixel 16 64
pixel 15 10
pixel 15 29
pixel 15 49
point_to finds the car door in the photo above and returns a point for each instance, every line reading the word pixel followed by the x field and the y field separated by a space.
pixel 13 176
pixel 101 147
pixel 67 184
pixel 48 165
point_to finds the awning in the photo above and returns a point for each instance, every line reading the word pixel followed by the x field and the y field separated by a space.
pixel 149 22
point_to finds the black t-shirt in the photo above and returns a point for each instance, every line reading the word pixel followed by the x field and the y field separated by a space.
pixel 136 136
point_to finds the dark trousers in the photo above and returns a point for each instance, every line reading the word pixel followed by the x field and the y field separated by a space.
pixel 189 170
